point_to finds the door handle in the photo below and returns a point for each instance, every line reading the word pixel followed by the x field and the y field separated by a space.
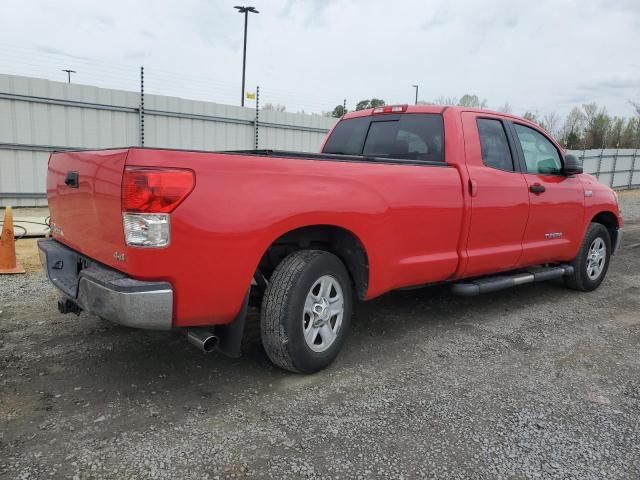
pixel 72 180
pixel 537 188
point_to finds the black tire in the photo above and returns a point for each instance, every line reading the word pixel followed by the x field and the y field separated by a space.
pixel 580 279
pixel 281 316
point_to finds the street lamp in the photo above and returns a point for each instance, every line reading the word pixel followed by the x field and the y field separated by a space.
pixel 416 87
pixel 69 72
pixel 246 11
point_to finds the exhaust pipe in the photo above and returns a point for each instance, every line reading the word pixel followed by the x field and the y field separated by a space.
pixel 203 339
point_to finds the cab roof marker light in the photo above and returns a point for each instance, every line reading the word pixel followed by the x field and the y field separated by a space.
pixel 390 109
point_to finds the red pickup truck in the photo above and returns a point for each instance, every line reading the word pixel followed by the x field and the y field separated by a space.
pixel 400 196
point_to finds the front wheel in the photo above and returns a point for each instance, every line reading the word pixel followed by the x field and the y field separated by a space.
pixel 306 311
pixel 591 265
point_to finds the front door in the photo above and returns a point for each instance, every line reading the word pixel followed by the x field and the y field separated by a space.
pixel 557 200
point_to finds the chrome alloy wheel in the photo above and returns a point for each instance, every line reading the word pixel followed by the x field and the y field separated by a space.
pixel 323 312
pixel 596 258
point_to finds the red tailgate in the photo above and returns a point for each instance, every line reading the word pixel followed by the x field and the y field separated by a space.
pixel 84 191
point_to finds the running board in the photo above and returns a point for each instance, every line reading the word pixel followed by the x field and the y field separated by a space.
pixel 501 282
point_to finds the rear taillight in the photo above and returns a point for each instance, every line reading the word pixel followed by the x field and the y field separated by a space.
pixel 390 109
pixel 155 190
pixel 148 196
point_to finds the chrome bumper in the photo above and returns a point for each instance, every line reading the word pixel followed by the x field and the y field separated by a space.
pixel 105 292
pixel 617 242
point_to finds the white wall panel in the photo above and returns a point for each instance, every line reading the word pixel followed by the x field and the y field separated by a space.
pixel 34 119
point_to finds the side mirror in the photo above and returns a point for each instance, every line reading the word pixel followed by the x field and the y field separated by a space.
pixel 572 166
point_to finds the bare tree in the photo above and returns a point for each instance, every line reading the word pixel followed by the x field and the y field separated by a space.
pixel 274 108
pixel 505 108
pixel 550 123
pixel 442 100
pixel 532 116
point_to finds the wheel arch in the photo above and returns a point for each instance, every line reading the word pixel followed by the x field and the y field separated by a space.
pixel 340 241
pixel 610 221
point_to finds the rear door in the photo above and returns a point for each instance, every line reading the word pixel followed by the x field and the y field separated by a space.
pixel 557 200
pixel 499 196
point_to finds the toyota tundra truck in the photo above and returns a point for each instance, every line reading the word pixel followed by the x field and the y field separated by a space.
pixel 400 196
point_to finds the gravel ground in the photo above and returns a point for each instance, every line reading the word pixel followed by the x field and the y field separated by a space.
pixel 533 382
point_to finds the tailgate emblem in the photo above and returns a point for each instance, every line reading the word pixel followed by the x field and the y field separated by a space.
pixel 72 180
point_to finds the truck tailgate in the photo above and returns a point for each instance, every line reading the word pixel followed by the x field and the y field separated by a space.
pixel 84 191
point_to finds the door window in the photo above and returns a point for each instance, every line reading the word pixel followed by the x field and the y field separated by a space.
pixel 540 155
pixel 495 146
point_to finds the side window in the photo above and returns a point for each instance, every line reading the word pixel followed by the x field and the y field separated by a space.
pixel 495 146
pixel 540 155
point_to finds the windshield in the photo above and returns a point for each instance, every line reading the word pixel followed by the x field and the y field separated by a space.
pixel 413 136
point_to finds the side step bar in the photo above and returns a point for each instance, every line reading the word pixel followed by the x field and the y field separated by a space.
pixel 501 282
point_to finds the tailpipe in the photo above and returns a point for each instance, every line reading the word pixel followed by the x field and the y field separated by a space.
pixel 203 339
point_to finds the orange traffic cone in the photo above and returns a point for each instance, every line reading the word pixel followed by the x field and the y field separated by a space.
pixel 8 262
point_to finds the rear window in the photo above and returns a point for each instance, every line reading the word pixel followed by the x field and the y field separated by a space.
pixel 413 136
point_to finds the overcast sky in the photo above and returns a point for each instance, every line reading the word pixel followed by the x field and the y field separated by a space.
pixel 545 55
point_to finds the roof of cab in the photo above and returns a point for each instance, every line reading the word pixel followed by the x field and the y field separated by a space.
pixel 439 109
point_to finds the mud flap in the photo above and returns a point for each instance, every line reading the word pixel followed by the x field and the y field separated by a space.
pixel 230 335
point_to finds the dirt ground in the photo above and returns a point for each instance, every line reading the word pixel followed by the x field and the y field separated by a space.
pixel 533 382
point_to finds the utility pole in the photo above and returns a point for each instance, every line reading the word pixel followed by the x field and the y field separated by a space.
pixel 416 87
pixel 69 72
pixel 246 11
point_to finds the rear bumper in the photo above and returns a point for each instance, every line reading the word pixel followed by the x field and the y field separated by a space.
pixel 105 292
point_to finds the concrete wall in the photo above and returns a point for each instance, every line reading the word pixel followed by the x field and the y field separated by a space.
pixel 38 116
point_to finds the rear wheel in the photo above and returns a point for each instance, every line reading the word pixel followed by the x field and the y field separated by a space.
pixel 591 265
pixel 306 311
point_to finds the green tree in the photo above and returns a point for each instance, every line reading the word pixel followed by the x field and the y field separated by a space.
pixel 339 111
pixel 630 137
pixel 614 135
pixel 472 101
pixel 597 125
pixel 372 103
pixel 571 132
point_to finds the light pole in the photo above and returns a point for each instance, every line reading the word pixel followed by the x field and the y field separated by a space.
pixel 416 87
pixel 246 11
pixel 69 72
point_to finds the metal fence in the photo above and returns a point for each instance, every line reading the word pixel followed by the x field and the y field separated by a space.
pixel 617 168
pixel 39 116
